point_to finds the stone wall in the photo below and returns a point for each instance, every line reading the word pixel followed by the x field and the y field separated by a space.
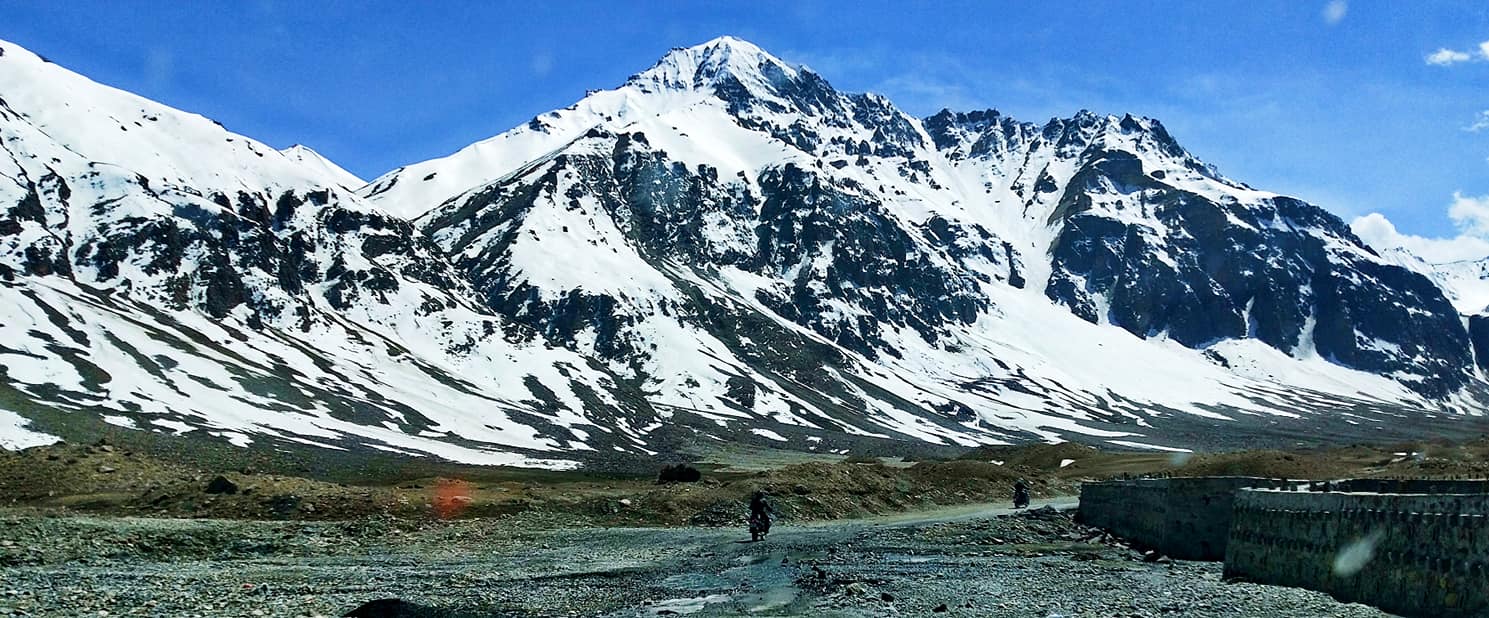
pixel 1413 555
pixel 1185 518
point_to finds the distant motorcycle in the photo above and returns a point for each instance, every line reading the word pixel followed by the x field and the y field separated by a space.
pixel 1020 496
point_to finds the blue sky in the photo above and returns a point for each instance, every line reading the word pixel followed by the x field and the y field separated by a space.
pixel 1333 101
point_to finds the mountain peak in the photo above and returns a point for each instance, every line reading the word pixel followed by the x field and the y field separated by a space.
pixel 704 66
pixel 728 42
pixel 324 169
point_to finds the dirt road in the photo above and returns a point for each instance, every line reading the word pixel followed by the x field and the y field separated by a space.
pixel 968 561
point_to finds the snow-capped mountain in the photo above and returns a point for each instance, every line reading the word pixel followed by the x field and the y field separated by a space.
pixel 723 248
pixel 724 157
pixel 162 273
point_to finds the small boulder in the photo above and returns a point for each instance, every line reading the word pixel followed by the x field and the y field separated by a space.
pixel 222 485
pixel 283 505
pixel 107 469
pixel 942 608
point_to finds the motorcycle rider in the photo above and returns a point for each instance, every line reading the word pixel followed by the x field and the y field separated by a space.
pixel 1020 494
pixel 759 515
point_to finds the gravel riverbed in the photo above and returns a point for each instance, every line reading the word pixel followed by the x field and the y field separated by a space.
pixel 960 562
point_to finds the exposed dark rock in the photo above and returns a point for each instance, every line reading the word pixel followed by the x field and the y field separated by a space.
pixel 1478 330
pixel 221 485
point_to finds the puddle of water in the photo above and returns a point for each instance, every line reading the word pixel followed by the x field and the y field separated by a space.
pixel 760 583
pixel 774 598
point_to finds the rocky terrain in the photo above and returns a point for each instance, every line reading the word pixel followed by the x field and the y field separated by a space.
pixel 970 562
pixel 100 528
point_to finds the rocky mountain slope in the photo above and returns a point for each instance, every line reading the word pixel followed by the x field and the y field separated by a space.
pixel 724 248
pixel 163 273
pixel 1466 284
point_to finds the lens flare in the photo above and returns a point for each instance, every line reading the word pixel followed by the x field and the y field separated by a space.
pixel 1354 556
pixel 451 497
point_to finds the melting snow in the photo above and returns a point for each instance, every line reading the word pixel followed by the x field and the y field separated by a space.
pixel 14 435
pixel 769 434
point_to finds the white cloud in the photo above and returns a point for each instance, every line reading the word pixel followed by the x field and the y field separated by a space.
pixel 1444 57
pixel 1469 213
pixel 1480 123
pixel 1334 11
pixel 1447 57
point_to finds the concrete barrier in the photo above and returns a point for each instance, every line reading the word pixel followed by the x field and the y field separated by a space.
pixel 1409 554
pixel 1185 518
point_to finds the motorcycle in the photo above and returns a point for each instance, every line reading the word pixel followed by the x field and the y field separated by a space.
pixel 759 527
pixel 1020 497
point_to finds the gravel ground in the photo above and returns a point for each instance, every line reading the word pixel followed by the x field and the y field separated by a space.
pixel 960 562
